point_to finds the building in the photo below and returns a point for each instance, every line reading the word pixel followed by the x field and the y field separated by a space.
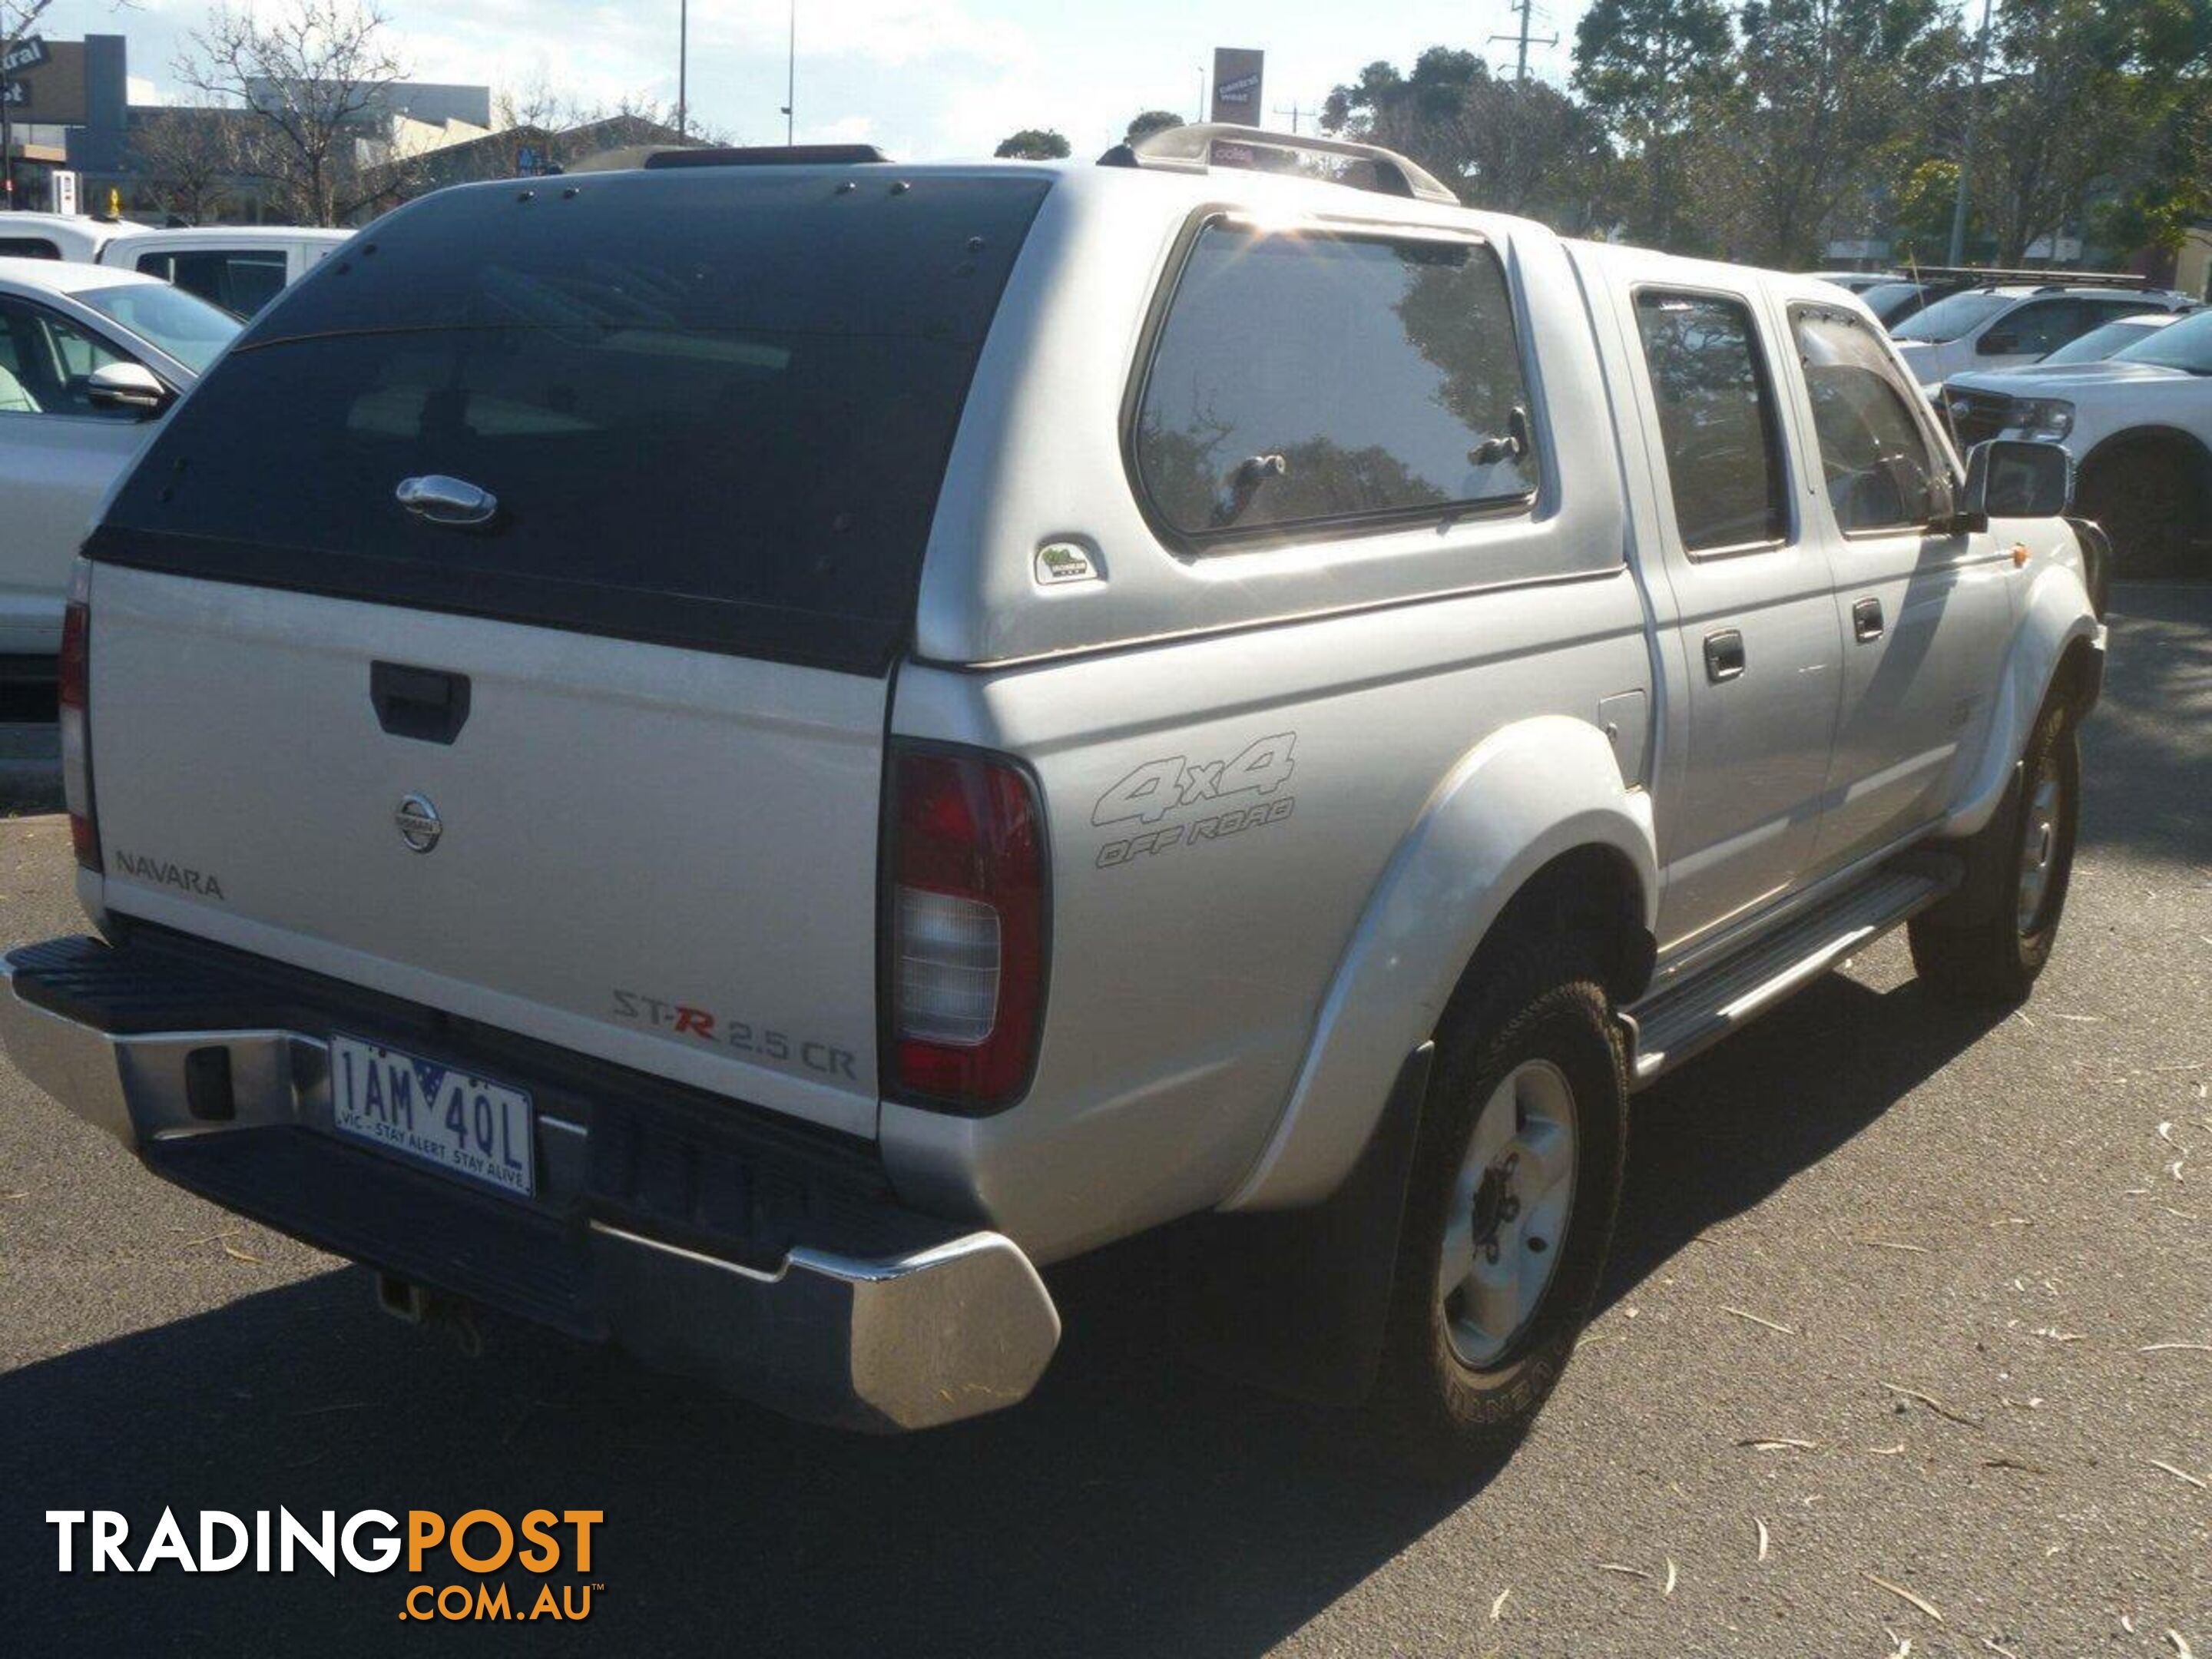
pixel 68 113
pixel 72 113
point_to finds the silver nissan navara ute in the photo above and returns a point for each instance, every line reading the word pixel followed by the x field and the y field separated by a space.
pixel 735 758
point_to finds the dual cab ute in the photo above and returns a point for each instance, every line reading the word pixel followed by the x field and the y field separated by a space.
pixel 738 757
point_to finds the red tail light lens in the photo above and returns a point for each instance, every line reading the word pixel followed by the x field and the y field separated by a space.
pixel 965 934
pixel 75 700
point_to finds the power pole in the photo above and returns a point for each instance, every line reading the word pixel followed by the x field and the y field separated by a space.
pixel 682 64
pixel 1966 148
pixel 1294 112
pixel 1526 7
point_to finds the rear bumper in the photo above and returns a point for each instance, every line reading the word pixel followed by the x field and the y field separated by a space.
pixel 768 1261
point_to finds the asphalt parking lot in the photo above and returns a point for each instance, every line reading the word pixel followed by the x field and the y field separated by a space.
pixel 1909 1340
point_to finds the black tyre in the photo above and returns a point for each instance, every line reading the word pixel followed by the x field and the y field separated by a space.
pixel 1510 1208
pixel 2150 501
pixel 1991 948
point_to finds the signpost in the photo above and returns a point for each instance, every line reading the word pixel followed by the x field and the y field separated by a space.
pixel 1236 74
pixel 15 58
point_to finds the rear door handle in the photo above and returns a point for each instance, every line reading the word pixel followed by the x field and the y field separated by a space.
pixel 427 704
pixel 1724 658
pixel 1866 620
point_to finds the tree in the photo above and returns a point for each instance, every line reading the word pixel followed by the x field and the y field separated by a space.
pixel 190 161
pixel 1517 147
pixel 315 75
pixel 1411 113
pixel 1152 121
pixel 1034 144
pixel 2082 93
pixel 1813 121
pixel 1529 148
pixel 1641 64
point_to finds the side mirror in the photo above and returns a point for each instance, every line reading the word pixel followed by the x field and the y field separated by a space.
pixel 128 387
pixel 1995 343
pixel 2007 478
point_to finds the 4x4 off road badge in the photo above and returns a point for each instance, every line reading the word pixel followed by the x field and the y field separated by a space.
pixel 419 824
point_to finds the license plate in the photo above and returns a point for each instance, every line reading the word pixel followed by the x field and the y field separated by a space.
pixel 435 1114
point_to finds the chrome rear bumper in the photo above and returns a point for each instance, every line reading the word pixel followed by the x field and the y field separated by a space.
pixel 949 1324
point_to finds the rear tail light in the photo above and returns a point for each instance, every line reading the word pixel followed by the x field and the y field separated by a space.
pixel 965 934
pixel 75 674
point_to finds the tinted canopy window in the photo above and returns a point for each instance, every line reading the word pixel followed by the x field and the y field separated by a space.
pixel 1303 378
pixel 713 407
pixel 1717 421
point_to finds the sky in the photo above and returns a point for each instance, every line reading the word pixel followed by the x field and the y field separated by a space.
pixel 924 79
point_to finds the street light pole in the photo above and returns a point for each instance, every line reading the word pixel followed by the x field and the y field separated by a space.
pixel 683 67
pixel 1967 148
pixel 791 76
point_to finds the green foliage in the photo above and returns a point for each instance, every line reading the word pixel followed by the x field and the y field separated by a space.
pixel 1152 121
pixel 1641 66
pixel 1034 144
pixel 1763 129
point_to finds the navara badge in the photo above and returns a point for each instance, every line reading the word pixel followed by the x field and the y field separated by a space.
pixel 419 826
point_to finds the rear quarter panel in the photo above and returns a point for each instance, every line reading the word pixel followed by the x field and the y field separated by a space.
pixel 1193 951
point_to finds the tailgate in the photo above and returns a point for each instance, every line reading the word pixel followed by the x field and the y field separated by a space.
pixel 506 621
pixel 664 857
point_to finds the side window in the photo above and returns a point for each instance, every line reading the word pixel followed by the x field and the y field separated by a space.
pixel 46 363
pixel 241 281
pixel 1716 420
pixel 28 248
pixel 2037 328
pixel 1882 473
pixel 2110 311
pixel 1302 378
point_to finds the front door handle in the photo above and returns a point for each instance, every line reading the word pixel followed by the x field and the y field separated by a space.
pixel 1866 620
pixel 1724 658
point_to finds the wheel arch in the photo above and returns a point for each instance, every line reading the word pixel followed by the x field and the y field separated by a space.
pixel 1535 828
pixel 2155 437
pixel 2057 649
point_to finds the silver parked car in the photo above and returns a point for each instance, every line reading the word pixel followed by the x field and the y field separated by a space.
pixel 803 740
pixel 89 361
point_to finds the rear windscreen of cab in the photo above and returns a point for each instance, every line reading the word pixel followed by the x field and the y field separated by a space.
pixel 713 407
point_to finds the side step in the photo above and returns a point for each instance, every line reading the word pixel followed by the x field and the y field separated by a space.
pixel 1682 1019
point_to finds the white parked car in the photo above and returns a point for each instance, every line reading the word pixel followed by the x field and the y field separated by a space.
pixel 240 268
pixel 56 235
pixel 89 360
pixel 2006 326
pixel 2139 427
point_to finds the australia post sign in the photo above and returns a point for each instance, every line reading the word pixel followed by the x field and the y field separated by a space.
pixel 1237 72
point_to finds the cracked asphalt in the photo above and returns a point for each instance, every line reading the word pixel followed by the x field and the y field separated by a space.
pixel 1908 1339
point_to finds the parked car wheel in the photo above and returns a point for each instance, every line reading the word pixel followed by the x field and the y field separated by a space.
pixel 2020 864
pixel 2150 499
pixel 1510 1208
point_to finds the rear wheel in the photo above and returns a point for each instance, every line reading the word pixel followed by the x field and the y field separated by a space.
pixel 1510 1209
pixel 2150 501
pixel 2021 865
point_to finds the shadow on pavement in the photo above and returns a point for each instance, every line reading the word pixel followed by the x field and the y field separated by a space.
pixel 2147 738
pixel 1134 1506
